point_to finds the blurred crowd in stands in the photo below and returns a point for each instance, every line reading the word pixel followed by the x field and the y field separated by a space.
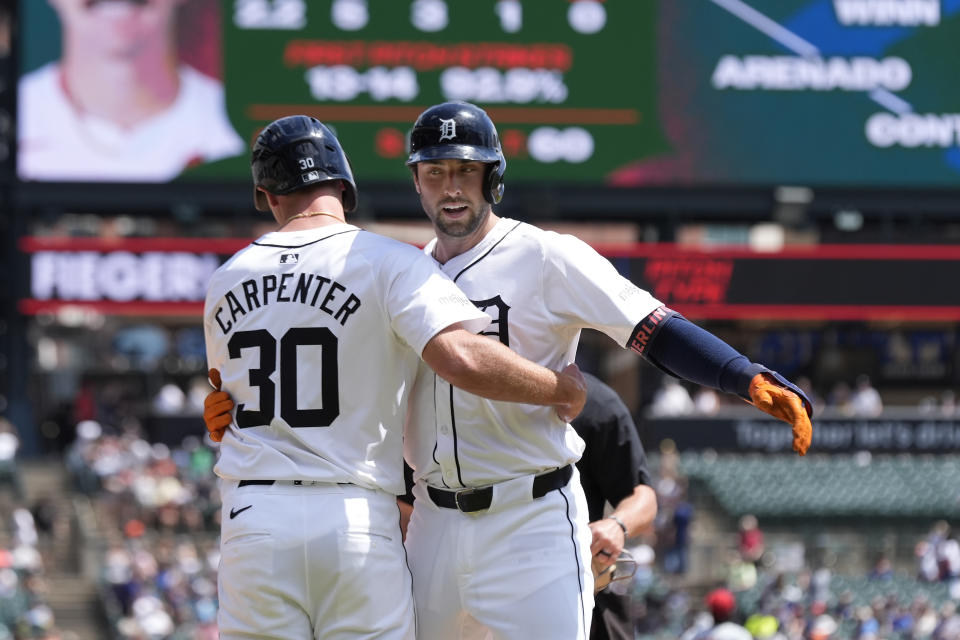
pixel 758 598
pixel 157 512
pixel 24 612
pixel 672 399
pixel 24 532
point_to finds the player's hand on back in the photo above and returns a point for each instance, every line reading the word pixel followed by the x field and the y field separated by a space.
pixel 216 408
pixel 784 404
pixel 577 394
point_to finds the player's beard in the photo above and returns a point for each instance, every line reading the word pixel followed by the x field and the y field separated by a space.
pixel 463 226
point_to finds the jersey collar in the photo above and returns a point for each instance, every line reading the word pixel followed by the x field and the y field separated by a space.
pixel 503 226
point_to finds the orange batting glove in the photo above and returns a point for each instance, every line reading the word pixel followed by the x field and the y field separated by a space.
pixel 216 408
pixel 783 404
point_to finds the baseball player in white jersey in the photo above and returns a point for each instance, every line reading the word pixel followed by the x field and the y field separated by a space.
pixel 498 541
pixel 317 330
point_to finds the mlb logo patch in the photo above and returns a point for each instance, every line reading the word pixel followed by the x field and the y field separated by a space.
pixel 310 176
pixel 289 258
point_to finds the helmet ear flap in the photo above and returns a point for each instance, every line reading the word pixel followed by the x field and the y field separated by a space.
pixel 493 192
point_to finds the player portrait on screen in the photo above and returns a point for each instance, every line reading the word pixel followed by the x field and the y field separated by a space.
pixel 119 104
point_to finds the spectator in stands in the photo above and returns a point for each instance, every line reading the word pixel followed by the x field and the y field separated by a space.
pixel 170 400
pixel 868 627
pixel 80 454
pixel 882 569
pixel 706 401
pixel 764 626
pixel 926 555
pixel 673 511
pixel 927 405
pixel 722 605
pixel 806 385
pixel 902 621
pixel 118 576
pixel 672 399
pixel 948 559
pixel 750 539
pixel 820 584
pixel 741 573
pixel 865 401
pixel 840 398
pixel 939 532
pixel 948 404
pixel 844 608
pixel 9 445
pixel 670 484
pixel 925 617
pixel 197 391
pixel 675 559
pixel 823 628
pixel 949 626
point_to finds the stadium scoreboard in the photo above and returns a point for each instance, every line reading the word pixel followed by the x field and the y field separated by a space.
pixel 825 93
pixel 571 86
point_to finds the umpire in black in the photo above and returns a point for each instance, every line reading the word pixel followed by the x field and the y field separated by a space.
pixel 613 469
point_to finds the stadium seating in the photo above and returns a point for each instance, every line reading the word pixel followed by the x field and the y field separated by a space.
pixel 858 485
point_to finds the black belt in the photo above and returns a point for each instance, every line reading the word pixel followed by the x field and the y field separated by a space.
pixel 469 500
pixel 244 483
pixel 267 483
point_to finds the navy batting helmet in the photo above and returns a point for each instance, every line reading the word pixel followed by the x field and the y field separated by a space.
pixel 296 152
pixel 463 131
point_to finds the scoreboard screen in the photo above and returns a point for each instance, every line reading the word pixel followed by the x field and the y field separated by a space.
pixel 592 92
pixel 570 86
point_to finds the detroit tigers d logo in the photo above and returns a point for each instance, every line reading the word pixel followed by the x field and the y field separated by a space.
pixel 498 310
pixel 448 129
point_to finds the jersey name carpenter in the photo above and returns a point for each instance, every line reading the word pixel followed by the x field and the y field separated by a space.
pixel 305 288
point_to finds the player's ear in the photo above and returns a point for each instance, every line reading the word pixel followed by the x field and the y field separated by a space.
pixel 416 178
pixel 272 199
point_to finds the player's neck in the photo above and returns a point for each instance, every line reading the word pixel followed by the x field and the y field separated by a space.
pixel 303 220
pixel 319 212
pixel 449 247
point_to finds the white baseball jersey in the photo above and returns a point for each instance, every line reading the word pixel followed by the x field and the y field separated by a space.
pixel 317 335
pixel 58 142
pixel 541 288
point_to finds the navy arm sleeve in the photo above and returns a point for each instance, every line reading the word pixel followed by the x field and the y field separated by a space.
pixel 686 351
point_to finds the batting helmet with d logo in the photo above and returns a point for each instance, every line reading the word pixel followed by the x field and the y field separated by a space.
pixel 462 131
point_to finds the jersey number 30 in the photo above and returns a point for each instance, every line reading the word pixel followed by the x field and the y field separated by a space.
pixel 262 340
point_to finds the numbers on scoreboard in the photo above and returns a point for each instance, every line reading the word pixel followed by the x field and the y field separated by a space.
pixel 518 85
pixel 264 342
pixel 510 13
pixel 587 16
pixel 342 83
pixel 270 14
pixel 350 15
pixel 549 144
pixel 429 15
